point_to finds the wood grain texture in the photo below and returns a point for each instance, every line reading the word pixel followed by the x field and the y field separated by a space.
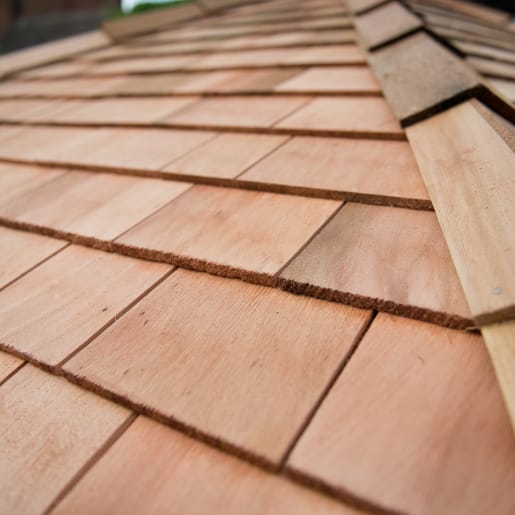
pixel 493 68
pixel 334 54
pixel 237 111
pixel 369 167
pixel 47 52
pixel 139 85
pixel 20 251
pixel 363 116
pixel 120 148
pixel 50 430
pixel 60 69
pixel 15 180
pixel 153 470
pixel 430 76
pixel 56 307
pixel 347 79
pixel 473 10
pixel 503 127
pixel 8 365
pixel 141 65
pixel 386 23
pixel 95 205
pixel 240 363
pixel 29 110
pixel 231 229
pixel 119 110
pixel 357 6
pixel 468 171
pixel 505 87
pixel 45 144
pixel 500 342
pixel 257 81
pixel 480 50
pixel 415 423
pixel 227 155
pixel 124 148
pixel 388 258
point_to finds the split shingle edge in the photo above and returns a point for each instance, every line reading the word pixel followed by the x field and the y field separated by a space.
pixel 498 328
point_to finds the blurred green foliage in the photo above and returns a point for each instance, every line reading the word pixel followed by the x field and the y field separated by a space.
pixel 145 6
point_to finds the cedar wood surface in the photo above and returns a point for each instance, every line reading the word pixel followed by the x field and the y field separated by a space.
pixel 171 203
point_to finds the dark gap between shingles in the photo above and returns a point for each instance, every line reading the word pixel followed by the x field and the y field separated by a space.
pixel 35 266
pixel 326 390
pixel 91 462
pixel 235 183
pixel 328 133
pixel 117 316
pixel 11 374
pixel 264 279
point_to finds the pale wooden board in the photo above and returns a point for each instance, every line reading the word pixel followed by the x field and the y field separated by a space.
pixel 152 469
pixel 473 27
pixel 389 258
pixel 288 39
pixel 44 143
pixel 503 127
pixel 385 23
pixel 369 167
pixel 334 54
pixel 18 179
pixel 148 149
pixel 233 229
pixel 472 10
pixel 203 82
pixel 256 81
pixel 56 307
pixel 29 110
pixel 52 428
pixel 8 365
pixel 21 251
pixel 118 110
pixel 57 70
pixel 500 342
pixel 227 155
pixel 158 84
pixel 212 33
pixel 505 87
pixel 237 111
pixel 428 76
pixel 123 148
pixel 468 171
pixel 123 67
pixel 480 50
pixel 493 68
pixel 240 363
pixel 150 21
pixel 41 54
pixel 415 423
pixel 95 205
pixel 347 79
pixel 474 38
pixel 357 6
pixel 362 116
pixel 57 88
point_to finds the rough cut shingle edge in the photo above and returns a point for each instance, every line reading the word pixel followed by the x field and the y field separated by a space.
pixel 497 328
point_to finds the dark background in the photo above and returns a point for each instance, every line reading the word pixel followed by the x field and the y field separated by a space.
pixel 29 22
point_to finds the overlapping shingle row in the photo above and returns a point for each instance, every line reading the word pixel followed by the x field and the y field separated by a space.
pixel 237 273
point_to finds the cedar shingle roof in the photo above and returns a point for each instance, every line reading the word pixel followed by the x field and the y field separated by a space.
pixel 258 257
